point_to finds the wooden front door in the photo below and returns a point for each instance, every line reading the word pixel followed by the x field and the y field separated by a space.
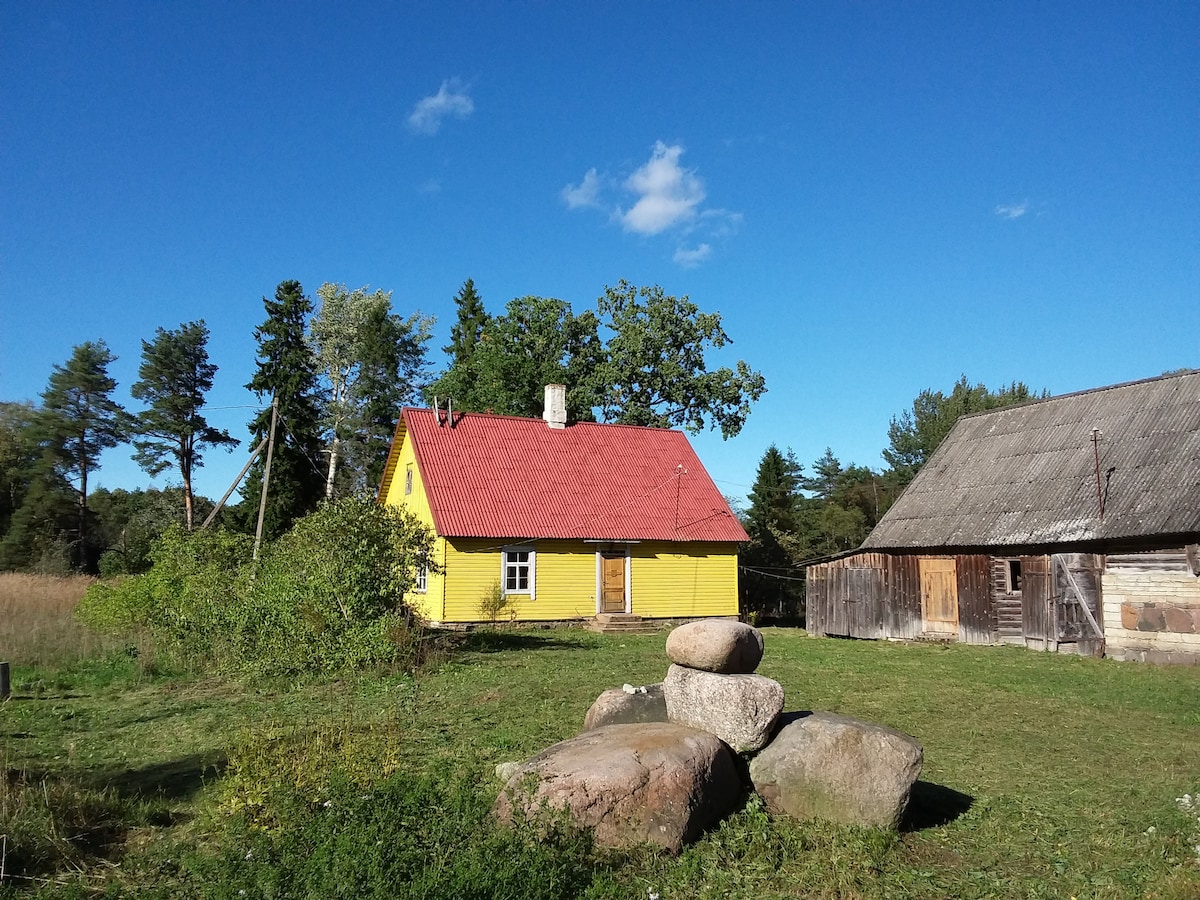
pixel 612 582
pixel 939 596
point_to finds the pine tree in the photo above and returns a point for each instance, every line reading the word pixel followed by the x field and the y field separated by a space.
pixel 471 318
pixel 287 373
pixel 79 420
pixel 772 521
pixel 173 378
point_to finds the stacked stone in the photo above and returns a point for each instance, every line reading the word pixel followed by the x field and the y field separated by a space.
pixel 711 684
pixel 655 763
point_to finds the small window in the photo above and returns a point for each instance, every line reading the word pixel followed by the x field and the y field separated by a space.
pixel 1012 569
pixel 408 480
pixel 422 584
pixel 518 574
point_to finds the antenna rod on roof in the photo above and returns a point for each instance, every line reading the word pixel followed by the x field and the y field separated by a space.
pixel 1096 435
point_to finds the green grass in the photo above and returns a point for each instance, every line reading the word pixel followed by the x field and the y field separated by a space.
pixel 1045 776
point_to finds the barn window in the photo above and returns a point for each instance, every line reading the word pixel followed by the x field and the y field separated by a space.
pixel 1012 575
pixel 518 574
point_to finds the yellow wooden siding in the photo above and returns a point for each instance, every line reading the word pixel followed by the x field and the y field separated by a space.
pixel 666 580
pixel 430 604
pixel 684 580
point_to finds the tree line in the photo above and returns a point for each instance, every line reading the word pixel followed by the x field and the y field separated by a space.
pixel 796 516
pixel 333 375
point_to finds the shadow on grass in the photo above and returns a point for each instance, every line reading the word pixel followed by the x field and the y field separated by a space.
pixel 174 779
pixel 487 641
pixel 933 805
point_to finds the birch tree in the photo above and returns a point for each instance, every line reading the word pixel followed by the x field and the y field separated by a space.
pixel 372 362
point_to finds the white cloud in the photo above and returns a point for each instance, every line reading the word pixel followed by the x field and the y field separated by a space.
pixel 450 100
pixel 665 197
pixel 669 194
pixel 1012 210
pixel 689 259
pixel 586 193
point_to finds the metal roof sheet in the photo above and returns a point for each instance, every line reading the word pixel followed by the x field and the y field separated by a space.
pixel 514 478
pixel 1026 475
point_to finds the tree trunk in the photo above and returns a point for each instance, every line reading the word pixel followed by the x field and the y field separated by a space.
pixel 187 501
pixel 334 448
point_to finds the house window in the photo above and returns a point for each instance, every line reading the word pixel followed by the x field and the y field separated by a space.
pixel 1012 576
pixel 408 480
pixel 422 584
pixel 518 574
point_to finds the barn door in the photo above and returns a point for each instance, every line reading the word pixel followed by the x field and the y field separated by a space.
pixel 612 582
pixel 1077 602
pixel 939 596
pixel 1060 601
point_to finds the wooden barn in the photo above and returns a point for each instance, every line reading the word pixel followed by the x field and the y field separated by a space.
pixel 1068 524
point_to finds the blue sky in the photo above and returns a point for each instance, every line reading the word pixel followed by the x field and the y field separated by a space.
pixel 877 197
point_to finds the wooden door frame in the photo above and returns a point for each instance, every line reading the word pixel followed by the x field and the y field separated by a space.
pixel 613 551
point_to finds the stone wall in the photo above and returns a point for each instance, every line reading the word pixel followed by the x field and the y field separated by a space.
pixel 1151 615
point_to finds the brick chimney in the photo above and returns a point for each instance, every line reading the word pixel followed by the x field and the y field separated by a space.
pixel 556 406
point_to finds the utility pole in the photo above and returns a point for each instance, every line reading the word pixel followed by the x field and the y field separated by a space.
pixel 262 500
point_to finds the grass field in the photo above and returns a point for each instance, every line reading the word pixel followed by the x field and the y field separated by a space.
pixel 1044 776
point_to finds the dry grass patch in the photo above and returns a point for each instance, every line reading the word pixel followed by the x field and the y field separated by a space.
pixel 37 621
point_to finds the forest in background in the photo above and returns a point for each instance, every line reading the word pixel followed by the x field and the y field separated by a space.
pixel 340 368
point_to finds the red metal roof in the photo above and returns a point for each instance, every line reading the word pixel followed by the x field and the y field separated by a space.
pixel 513 478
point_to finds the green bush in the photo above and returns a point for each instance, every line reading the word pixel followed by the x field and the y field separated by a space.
pixel 329 594
pixel 326 597
pixel 184 600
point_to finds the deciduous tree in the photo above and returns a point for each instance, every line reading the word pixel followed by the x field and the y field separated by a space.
pixel 171 432
pixel 656 370
pixel 372 362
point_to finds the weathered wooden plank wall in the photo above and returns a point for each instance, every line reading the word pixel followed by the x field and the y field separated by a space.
pixel 975 617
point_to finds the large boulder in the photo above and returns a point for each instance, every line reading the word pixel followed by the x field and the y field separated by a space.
pixel 739 709
pixel 826 766
pixel 716 645
pixel 631 784
pixel 627 707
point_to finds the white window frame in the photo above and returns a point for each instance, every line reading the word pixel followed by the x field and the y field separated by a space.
pixel 531 564
pixel 421 585
pixel 408 479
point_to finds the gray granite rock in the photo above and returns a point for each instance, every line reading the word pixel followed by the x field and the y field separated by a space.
pixel 716 645
pixel 652 783
pixel 828 766
pixel 739 709
pixel 646 703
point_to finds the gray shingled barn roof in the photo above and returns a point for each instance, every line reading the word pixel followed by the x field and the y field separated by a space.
pixel 1025 476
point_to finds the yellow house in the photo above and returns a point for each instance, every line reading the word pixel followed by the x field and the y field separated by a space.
pixel 563 521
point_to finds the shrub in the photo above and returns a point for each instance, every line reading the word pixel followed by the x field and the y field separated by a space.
pixel 326 596
pixel 329 594
pixel 495 602
pixel 187 597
